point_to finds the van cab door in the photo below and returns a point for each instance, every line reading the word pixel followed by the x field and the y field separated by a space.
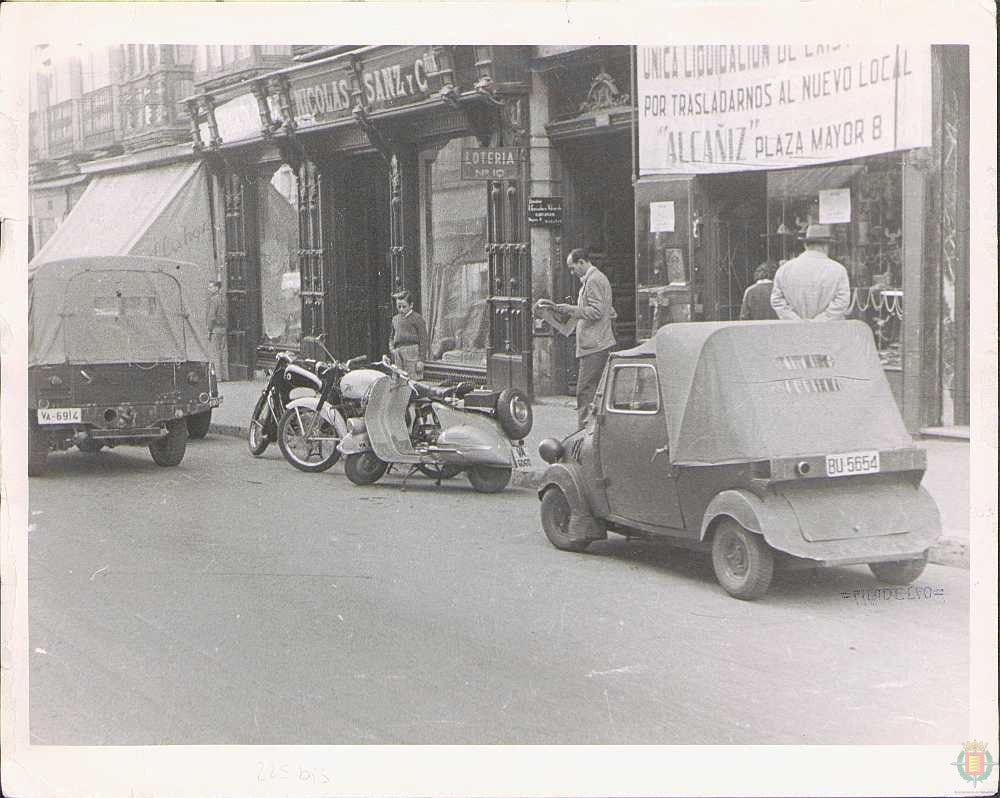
pixel 641 484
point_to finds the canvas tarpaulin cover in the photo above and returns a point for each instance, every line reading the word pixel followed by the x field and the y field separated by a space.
pixel 113 310
pixel 756 390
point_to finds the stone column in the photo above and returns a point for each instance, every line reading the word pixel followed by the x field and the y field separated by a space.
pixel 546 242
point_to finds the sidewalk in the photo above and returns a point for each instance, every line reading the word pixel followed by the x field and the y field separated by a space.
pixel 947 477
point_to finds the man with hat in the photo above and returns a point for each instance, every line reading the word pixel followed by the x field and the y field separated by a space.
pixel 216 323
pixel 812 286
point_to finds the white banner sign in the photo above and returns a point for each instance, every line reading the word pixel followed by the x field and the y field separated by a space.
pixel 731 108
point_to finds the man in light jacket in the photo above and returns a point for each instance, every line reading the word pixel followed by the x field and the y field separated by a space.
pixel 595 336
pixel 812 286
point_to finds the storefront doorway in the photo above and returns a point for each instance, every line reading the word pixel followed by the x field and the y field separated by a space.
pixel 362 304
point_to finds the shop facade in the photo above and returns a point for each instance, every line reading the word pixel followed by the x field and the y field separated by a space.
pixel 746 146
pixel 344 180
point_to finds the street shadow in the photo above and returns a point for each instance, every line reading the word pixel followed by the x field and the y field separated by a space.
pixel 792 584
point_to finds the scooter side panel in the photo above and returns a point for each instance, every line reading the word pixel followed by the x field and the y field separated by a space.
pixel 384 417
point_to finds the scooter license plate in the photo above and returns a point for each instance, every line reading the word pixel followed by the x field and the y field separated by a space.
pixel 521 459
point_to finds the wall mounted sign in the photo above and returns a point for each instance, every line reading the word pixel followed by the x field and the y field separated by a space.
pixel 733 108
pixel 835 206
pixel 545 210
pixel 491 163
pixel 661 217
pixel 391 79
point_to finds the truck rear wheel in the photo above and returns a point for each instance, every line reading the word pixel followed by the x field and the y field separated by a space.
pixel 38 449
pixel 198 424
pixel 742 560
pixel 899 572
pixel 169 450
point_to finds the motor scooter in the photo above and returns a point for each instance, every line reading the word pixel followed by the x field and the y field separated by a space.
pixel 439 431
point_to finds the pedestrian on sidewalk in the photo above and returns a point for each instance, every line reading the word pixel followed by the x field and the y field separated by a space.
pixel 812 286
pixel 408 342
pixel 757 298
pixel 216 323
pixel 594 315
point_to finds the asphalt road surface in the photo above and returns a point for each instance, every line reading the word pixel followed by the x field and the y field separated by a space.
pixel 234 600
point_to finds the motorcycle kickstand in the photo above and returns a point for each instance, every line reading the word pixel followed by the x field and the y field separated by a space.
pixel 413 470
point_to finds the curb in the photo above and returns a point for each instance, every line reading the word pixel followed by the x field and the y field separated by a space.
pixel 949 551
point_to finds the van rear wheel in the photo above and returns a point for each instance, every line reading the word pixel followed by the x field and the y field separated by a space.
pixel 169 450
pixel 742 560
pixel 899 572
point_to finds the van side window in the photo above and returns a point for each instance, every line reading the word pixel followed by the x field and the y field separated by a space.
pixel 634 389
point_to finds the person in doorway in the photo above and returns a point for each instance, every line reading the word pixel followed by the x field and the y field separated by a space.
pixel 594 315
pixel 408 342
pixel 812 286
pixel 757 298
pixel 216 323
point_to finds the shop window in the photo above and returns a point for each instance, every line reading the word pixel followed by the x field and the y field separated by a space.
pixel 863 202
pixel 454 271
pixel 281 308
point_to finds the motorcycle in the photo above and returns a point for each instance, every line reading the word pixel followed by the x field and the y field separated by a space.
pixel 312 426
pixel 439 431
pixel 289 372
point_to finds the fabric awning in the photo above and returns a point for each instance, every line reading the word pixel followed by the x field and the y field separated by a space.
pixel 162 212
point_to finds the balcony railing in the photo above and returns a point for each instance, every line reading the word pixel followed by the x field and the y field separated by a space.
pixel 97 118
pixel 60 119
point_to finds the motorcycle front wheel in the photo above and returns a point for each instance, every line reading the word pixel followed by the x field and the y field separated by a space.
pixel 257 437
pixel 364 468
pixel 314 453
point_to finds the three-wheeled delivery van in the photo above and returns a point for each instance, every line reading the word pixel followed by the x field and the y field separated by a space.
pixel 747 439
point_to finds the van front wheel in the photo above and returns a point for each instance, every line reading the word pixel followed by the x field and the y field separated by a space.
pixel 743 562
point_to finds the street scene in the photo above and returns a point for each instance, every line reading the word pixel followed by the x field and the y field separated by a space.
pixel 499 395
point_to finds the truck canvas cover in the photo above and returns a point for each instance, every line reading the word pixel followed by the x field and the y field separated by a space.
pixel 745 391
pixel 125 309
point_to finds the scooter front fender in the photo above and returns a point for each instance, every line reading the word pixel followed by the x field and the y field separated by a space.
pixel 329 414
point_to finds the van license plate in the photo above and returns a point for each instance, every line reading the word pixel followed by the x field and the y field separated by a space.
pixel 59 415
pixel 851 463
pixel 521 459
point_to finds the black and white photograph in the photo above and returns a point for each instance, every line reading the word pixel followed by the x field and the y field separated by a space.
pixel 499 399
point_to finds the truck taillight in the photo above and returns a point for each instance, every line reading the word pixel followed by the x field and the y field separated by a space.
pixel 55 381
pixel 193 377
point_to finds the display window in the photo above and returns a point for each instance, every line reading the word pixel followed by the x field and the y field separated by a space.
pixel 454 271
pixel 281 307
pixel 862 201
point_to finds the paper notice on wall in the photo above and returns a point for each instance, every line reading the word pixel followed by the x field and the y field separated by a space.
pixel 290 281
pixel 661 217
pixel 835 206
